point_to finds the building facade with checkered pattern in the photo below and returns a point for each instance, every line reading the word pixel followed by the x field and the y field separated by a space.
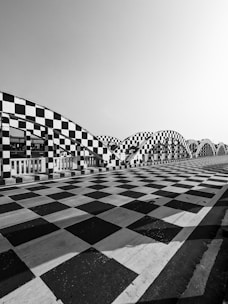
pixel 53 127
pixel 61 134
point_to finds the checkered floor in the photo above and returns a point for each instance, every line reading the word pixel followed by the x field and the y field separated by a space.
pixel 102 238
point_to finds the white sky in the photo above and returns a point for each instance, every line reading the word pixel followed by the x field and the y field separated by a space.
pixel 122 66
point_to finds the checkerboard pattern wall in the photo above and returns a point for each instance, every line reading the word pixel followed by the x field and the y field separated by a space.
pixel 109 141
pixel 5 146
pixel 62 142
pixel 163 145
pixel 28 143
pixel 132 141
pixel 42 116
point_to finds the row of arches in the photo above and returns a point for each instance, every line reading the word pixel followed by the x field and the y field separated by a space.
pixel 165 145
pixel 206 147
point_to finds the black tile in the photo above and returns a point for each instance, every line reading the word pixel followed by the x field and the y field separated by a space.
pixel 172 180
pixel 166 193
pixel 126 186
pixel 147 180
pixel 90 277
pixel 183 186
pixel 99 176
pixel 23 196
pixel 60 195
pixel 37 188
pixel 155 186
pixel 200 193
pixel 47 183
pixel 122 181
pixel 49 208
pixel 93 230
pixel 157 229
pixel 210 186
pixel 9 207
pixel 140 206
pixel 193 180
pixel 184 206
pixel 68 187
pixel 27 231
pixel 132 194
pixel 8 188
pixel 95 207
pixel 97 194
pixel 13 272
pixel 98 181
pixel 217 180
pixel 225 195
pixel 97 187
pixel 75 181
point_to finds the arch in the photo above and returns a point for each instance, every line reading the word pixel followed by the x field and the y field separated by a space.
pixel 40 115
pixel 165 144
pixel 206 148
pixel 110 141
pixel 193 146
pixel 221 149
pixel 131 143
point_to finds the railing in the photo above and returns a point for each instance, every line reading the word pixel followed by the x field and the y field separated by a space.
pixel 20 166
pixel 65 163
pixel 91 161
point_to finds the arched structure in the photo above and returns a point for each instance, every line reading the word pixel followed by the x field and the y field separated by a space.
pixel 53 123
pixel 221 149
pixel 110 141
pixel 206 148
pixel 193 146
pixel 162 145
pixel 131 144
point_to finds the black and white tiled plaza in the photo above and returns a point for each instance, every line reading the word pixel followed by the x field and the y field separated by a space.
pixel 140 235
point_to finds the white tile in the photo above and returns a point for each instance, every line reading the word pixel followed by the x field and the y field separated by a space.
pixel 160 201
pixel 67 217
pixel 175 189
pixel 116 200
pixel 120 216
pixel 39 255
pixel 35 201
pixel 33 292
pixel 123 245
pixel 193 199
pixel 4 244
pixel 16 217
pixel 172 216
pixel 77 200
